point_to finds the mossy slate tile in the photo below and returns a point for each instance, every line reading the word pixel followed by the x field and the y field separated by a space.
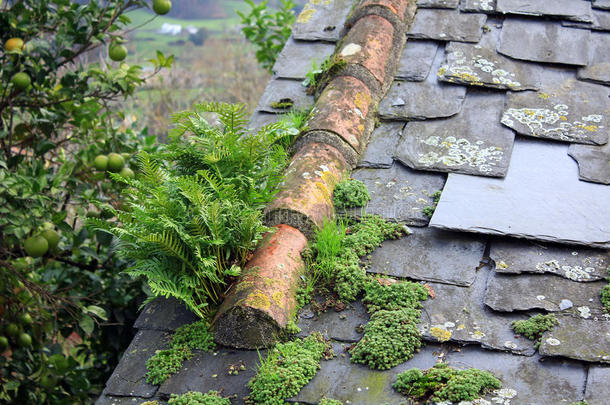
pixel 447 25
pixel 164 314
pixel 344 326
pixel 322 20
pixel 398 194
pixel 543 291
pixel 570 9
pixel 431 255
pixel 284 91
pixel 516 256
pixel 547 41
pixel 580 339
pixel 129 377
pixel 297 58
pixel 381 146
pixel 598 385
pixel 416 60
pixel 592 162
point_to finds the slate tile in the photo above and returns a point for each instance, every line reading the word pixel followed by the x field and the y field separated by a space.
pixel 478 6
pixel 592 162
pixel 111 400
pixel 601 21
pixel 546 41
pixel 580 339
pixel 525 380
pixel 516 256
pixel 540 291
pixel 431 255
pixel 210 371
pixel 321 20
pixel 399 193
pixel 282 90
pixel 601 4
pixel 598 69
pixel 460 313
pixel 447 25
pixel 570 9
pixel 416 60
pixel 297 58
pixel 540 198
pixel 598 389
pixel 437 3
pixel 379 151
pixel 481 65
pixel 472 142
pixel 570 111
pixel 422 100
pixel 344 326
pixel 259 119
pixel 129 377
pixel 357 384
pixel 164 314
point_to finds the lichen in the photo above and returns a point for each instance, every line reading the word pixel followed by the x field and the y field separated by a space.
pixel 451 151
pixel 440 334
pixel 535 326
pixel 459 68
pixel 258 300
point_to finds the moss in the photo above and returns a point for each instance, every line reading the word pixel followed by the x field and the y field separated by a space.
pixel 288 368
pixel 605 294
pixel 580 403
pixel 164 363
pixel 198 398
pixel 442 383
pixel 329 401
pixel 351 193
pixel 429 209
pixel 534 327
pixel 283 104
pixel 398 295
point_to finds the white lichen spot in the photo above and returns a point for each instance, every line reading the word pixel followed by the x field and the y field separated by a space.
pixel 510 345
pixel 553 342
pixel 584 311
pixel 306 175
pixel 318 173
pixel 481 401
pixel 574 253
pixel 476 71
pixel 350 49
pixel 477 335
pixel 390 184
pixel 501 265
pixel 324 168
pixel 459 152
pixel 540 297
pixel 486 5
pixel 577 273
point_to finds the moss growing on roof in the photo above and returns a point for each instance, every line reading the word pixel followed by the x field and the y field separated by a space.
pixel 534 327
pixel 198 398
pixel 351 193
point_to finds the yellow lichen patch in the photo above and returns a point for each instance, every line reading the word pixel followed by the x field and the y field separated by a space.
pixel 362 100
pixel 325 2
pixel 269 281
pixel 501 265
pixel 243 286
pixel 258 300
pixel 442 71
pixel 361 128
pixel 278 298
pixel 591 128
pixel 543 96
pixel 306 14
pixel 442 335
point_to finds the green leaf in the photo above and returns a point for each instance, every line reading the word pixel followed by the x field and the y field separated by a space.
pixel 86 323
pixel 97 311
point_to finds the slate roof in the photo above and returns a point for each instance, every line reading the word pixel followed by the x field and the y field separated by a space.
pixel 504 105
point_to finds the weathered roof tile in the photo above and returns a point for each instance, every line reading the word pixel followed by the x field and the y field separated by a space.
pixel 297 58
pixel 598 69
pixel 416 60
pixel 290 93
pixel 570 9
pixel 580 339
pixel 437 3
pixel 478 6
pixel 601 21
pixel 593 162
pixel 379 151
pixel 447 25
pixel 322 20
pixel 601 4
pixel 598 389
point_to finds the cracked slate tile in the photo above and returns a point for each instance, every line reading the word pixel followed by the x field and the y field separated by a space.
pixel 282 90
pixel 358 384
pixel 379 151
pixel 321 20
pixel 601 4
pixel 593 162
pixel 598 69
pixel 399 194
pixel 422 100
pixel 516 256
pixel 540 198
pixel 478 6
pixel 458 314
pixel 416 60
pixel 598 389
pixel 344 326
pixel 510 293
pixel 164 314
pixel 297 58
pixel 430 255
pixel 437 3
pixel 570 111
pixel 447 25
pixel 580 339
pixel 601 21
pixel 570 9
pixel 129 377
pixel 472 142
pixel 525 380
pixel 546 41
pixel 210 371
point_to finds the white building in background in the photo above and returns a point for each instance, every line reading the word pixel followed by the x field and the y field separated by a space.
pixel 170 29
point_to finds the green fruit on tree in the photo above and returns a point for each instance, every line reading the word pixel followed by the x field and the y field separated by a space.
pixel 117 52
pixel 48 381
pixel 21 80
pixel 100 162
pixel 36 246
pixel 3 343
pixel 12 329
pixel 14 44
pixel 25 319
pixel 127 173
pixel 51 236
pixel 25 340
pixel 162 7
pixel 115 162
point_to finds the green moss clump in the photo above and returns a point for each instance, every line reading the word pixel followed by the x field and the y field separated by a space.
pixel 198 398
pixel 580 403
pixel 187 338
pixel 351 193
pixel 605 294
pixel 395 296
pixel 283 104
pixel 534 327
pixel 429 209
pixel 390 338
pixel 288 368
pixel 329 401
pixel 442 383
pixel 370 232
